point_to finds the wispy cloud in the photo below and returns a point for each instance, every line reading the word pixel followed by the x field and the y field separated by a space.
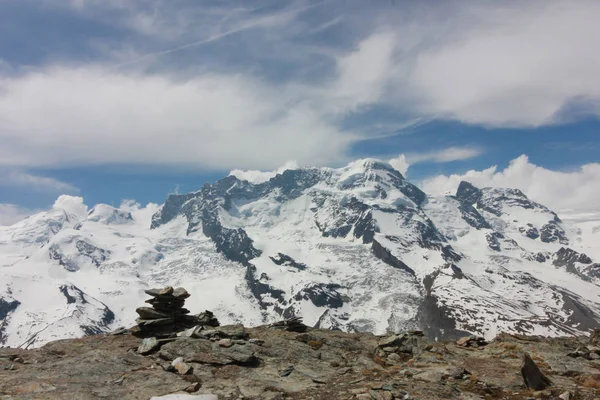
pixel 12 213
pixel 445 155
pixel 10 177
pixel 403 162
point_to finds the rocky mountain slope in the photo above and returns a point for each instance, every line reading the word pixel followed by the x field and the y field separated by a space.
pixel 357 248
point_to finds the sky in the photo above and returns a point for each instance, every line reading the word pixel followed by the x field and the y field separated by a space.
pixel 135 99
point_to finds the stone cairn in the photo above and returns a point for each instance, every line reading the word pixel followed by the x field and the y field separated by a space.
pixel 167 316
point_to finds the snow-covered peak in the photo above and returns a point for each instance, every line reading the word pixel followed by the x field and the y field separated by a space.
pixel 106 214
pixel 498 200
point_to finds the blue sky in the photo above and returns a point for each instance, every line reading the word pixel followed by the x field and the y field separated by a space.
pixel 114 100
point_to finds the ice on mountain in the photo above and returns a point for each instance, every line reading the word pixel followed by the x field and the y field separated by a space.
pixel 106 214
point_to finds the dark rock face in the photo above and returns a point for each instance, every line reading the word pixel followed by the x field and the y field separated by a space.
pixel 7 306
pixel 77 297
pixel 580 315
pixel 468 194
pixel 322 295
pixel 492 200
pixel 171 209
pixel 593 271
pixel 261 290
pixel 567 258
pixel 552 233
pixel 493 242
pixel 450 255
pixel 235 245
pixel 472 216
pixel 287 261
pixel 531 232
pixel 56 254
pixel 457 272
pixel 107 318
pixel 387 257
pixel 353 215
pixel 96 254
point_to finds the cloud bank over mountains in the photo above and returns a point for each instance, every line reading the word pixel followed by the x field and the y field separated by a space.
pixel 578 189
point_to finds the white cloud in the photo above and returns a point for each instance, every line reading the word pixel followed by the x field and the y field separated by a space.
pixel 256 176
pixel 509 64
pixel 12 213
pixel 576 190
pixel 444 155
pixel 400 164
pixel 87 116
pixel 72 204
pixel 404 161
pixel 20 178
pixel 497 64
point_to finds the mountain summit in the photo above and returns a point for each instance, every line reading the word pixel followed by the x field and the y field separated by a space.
pixel 357 248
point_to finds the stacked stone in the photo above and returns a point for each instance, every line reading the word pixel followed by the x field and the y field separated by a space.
pixel 293 324
pixel 167 314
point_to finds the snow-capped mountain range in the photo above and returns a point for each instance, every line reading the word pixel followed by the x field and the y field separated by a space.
pixel 357 248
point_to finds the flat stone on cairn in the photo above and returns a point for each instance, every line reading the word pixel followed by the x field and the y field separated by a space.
pixel 167 314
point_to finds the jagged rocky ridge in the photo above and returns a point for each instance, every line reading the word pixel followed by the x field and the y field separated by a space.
pixel 357 248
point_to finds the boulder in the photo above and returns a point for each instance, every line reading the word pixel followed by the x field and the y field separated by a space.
pixel 532 376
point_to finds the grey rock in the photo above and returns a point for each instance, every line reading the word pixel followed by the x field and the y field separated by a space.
pixel 287 371
pixel 150 313
pixel 391 341
pixel 148 346
pixel 225 343
pixel 180 293
pixel 154 322
pixel 181 367
pixel 159 291
pixel 193 332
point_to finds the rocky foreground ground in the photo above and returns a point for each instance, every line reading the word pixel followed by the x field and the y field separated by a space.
pixel 233 362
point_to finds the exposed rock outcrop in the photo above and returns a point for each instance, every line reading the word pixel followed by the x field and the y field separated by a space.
pixel 271 363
